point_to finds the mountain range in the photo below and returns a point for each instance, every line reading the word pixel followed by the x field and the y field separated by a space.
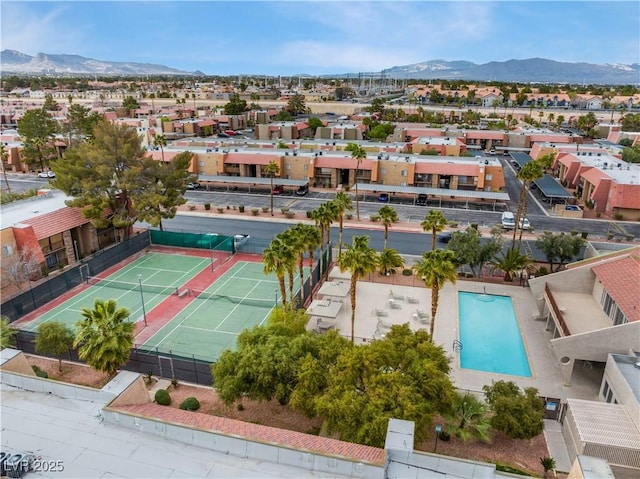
pixel 538 70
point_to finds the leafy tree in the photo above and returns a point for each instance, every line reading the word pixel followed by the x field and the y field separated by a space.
pixel 469 249
pixel 343 204
pixel 314 123
pixel 21 266
pixel 130 103
pixel 518 414
pixel 167 183
pixel 631 154
pixel 403 376
pixel 105 175
pixel 4 155
pixel 236 106
pixel 49 103
pixel 436 268
pixel 272 169
pixel 381 131
pixel 434 222
pixel 377 105
pixel 390 261
pixel 283 115
pixel 388 216
pixel 511 262
pixel 561 247
pixel 587 122
pixel 7 334
pixel 104 336
pixel 631 122
pixel 468 418
pixel 296 104
pixel 359 154
pixel 79 125
pixel 54 338
pixel 360 259
pixel 37 128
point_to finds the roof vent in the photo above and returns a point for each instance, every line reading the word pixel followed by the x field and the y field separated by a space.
pixel 637 364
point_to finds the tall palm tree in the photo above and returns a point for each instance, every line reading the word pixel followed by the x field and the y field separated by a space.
pixel 160 141
pixel 343 204
pixel 291 256
pixel 104 336
pixel 327 214
pixel 272 169
pixel 388 216
pixel 311 236
pixel 359 154
pixel 527 174
pixel 436 268
pixel 274 260
pixel 360 259
pixel 434 222
pixel 4 155
pixel 511 262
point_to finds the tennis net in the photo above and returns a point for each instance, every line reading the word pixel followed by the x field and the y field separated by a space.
pixel 148 288
pixel 256 303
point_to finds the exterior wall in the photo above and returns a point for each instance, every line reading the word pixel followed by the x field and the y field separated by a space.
pixel 620 388
pixel 296 168
pixel 394 173
pixel 17 364
pixel 9 248
pixel 597 345
pixel 136 393
pixel 69 252
pixel 496 183
pixel 26 239
pixel 578 280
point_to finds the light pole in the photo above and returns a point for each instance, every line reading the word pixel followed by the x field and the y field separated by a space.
pixel 438 431
pixel 144 312
pixel 276 292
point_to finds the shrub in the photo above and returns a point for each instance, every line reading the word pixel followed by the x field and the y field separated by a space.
pixel 290 214
pixel 407 272
pixel 240 406
pixel 348 215
pixel 598 214
pixel 148 376
pixel 308 214
pixel 241 208
pixel 255 211
pixel 220 209
pixel 265 209
pixel 39 372
pixel 190 404
pixel 192 207
pixel 207 206
pixel 174 383
pixel 162 397
pixel 618 216
pixel 284 209
pixel 542 271
pixel 453 224
pixel 374 218
pixel 444 436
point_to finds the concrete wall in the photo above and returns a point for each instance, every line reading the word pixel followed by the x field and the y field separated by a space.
pixel 621 389
pixel 135 393
pixel 243 448
pixel 14 361
pixel 579 280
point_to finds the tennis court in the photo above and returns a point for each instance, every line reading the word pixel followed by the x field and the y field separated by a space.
pixel 160 274
pixel 241 298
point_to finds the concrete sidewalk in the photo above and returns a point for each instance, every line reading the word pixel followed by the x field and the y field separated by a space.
pixel 556 445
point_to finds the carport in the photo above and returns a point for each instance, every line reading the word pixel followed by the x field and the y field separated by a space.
pixel 472 196
pixel 551 189
pixel 519 159
pixel 233 182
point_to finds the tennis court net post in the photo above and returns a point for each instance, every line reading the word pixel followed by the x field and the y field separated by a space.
pixel 147 288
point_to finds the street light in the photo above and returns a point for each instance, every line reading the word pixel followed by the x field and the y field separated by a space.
pixel 438 431
pixel 144 312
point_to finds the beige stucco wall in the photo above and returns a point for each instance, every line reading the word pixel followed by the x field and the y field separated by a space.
pixel 620 388
pixel 18 364
pixel 579 280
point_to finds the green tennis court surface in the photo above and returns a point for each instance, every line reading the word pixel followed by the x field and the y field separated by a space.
pixel 160 274
pixel 241 298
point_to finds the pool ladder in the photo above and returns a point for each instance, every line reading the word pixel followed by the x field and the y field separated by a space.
pixel 457 345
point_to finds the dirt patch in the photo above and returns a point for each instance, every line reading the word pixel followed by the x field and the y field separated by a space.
pixel 522 454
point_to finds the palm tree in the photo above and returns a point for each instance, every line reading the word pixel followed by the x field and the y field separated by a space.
pixel 511 262
pixel 388 216
pixel 104 336
pixel 434 222
pixel 160 141
pixel 360 259
pixel 389 261
pixel 4 155
pixel 271 169
pixel 291 256
pixel 548 464
pixel 274 261
pixel 468 418
pixel 436 268
pixel 311 239
pixel 343 203
pixel 527 174
pixel 359 154
pixel 327 214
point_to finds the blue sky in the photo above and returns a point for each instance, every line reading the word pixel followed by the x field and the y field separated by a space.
pixel 291 37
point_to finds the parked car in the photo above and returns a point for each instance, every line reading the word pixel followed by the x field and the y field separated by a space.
pixel 444 237
pixel 302 190
pixel 193 186
pixel 492 151
pixel 278 190
pixel 223 135
pixel 422 200
pixel 508 220
pixel 46 174
pixel 524 224
pixel 383 197
pixel 239 240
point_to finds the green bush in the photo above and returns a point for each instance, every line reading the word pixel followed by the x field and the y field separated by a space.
pixel 162 397
pixel 407 272
pixel 207 206
pixel 618 216
pixel 241 208
pixel 39 372
pixel 255 211
pixel 190 404
pixel 444 436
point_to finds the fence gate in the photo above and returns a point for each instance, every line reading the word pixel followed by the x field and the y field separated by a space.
pixel 165 364
pixel 84 272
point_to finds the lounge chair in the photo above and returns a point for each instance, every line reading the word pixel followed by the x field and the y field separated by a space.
pixel 380 313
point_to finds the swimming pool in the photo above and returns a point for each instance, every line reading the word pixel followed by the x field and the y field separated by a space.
pixel 490 335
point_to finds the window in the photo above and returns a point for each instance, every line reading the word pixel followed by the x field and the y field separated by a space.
pixel 488 177
pixel 287 166
pixel 619 317
pixel 605 389
pixel 383 171
pixel 403 173
pixel 201 163
pixel 7 250
pixel 306 167
pixel 610 395
pixel 608 304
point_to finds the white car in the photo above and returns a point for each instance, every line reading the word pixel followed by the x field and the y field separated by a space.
pixel 524 224
pixel 239 240
pixel 46 174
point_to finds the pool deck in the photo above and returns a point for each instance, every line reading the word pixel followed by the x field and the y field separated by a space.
pixel 545 377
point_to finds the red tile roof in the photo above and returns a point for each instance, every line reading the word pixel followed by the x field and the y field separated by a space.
pixel 255 432
pixel 50 224
pixel 621 279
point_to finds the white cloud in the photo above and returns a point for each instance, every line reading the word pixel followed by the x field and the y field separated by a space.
pixel 29 32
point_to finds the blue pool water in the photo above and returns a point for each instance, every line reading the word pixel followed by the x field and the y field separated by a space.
pixel 490 335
